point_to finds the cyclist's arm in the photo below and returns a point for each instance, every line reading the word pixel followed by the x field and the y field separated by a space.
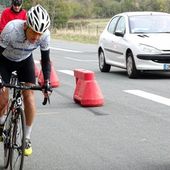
pixel 46 68
pixel 4 19
pixel 45 63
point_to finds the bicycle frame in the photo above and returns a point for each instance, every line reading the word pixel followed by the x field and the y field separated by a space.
pixel 14 148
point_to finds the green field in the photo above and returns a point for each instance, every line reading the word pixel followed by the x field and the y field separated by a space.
pixel 85 31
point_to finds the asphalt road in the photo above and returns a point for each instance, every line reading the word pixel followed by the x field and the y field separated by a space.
pixel 131 131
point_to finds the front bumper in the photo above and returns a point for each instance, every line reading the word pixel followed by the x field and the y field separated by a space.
pixel 158 58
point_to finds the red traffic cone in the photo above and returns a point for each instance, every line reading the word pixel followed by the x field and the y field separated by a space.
pixel 37 71
pixel 54 81
pixel 87 91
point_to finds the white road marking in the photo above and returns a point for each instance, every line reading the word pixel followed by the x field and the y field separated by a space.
pixel 69 72
pixel 150 96
pixel 75 59
pixel 47 113
pixel 66 50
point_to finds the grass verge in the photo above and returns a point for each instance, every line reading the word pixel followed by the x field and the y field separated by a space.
pixel 78 38
pixel 84 31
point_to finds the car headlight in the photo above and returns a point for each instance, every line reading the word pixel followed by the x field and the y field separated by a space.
pixel 149 49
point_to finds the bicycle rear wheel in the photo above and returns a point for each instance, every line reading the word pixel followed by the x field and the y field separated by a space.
pixel 18 141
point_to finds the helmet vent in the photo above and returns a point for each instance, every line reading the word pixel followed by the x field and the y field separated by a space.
pixel 36 28
pixel 43 16
pixel 42 26
pixel 35 13
pixel 38 9
pixel 36 23
pixel 29 21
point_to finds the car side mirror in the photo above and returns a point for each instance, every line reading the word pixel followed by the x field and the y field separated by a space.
pixel 119 33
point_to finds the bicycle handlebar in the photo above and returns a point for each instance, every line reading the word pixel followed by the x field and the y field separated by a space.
pixel 26 87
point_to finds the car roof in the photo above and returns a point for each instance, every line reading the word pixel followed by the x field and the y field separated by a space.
pixel 143 13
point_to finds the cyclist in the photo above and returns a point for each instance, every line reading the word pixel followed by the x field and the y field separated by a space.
pixel 14 12
pixel 17 41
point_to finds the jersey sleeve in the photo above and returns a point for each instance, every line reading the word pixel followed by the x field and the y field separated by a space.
pixel 4 20
pixel 45 41
pixel 5 37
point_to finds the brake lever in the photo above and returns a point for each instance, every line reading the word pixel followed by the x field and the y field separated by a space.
pixel 47 99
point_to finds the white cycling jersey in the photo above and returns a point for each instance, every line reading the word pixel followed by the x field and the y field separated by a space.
pixel 17 48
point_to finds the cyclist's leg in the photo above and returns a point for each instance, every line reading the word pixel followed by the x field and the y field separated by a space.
pixel 5 72
pixel 3 106
pixel 26 73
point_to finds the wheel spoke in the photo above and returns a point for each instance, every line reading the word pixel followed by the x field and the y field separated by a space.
pixel 101 60
pixel 131 67
pixel 103 66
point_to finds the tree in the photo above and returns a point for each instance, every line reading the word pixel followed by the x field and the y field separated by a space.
pixel 59 11
pixel 62 10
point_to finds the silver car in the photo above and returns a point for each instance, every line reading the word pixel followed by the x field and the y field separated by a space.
pixel 136 41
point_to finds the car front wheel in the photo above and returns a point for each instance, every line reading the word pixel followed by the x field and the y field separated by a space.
pixel 132 72
pixel 102 63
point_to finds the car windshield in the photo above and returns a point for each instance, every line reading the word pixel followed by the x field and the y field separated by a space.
pixel 150 24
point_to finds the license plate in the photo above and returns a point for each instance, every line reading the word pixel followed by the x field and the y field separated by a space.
pixel 166 66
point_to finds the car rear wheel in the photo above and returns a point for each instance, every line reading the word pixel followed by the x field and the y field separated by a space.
pixel 102 63
pixel 132 72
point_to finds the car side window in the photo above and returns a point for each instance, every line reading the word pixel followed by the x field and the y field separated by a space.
pixel 112 24
pixel 121 27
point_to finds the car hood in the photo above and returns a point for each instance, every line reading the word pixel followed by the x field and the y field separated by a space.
pixel 159 41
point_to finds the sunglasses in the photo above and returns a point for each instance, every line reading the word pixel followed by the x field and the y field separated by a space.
pixel 17 4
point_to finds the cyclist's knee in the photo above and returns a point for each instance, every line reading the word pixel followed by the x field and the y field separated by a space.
pixel 28 95
pixel 3 101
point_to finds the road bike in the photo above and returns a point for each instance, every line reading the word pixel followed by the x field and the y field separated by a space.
pixel 14 127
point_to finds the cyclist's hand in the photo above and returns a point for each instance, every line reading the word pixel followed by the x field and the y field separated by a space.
pixel 47 89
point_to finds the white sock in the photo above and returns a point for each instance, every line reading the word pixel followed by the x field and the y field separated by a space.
pixel 28 130
pixel 2 119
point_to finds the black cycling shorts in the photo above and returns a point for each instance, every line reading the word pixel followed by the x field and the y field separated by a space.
pixel 25 69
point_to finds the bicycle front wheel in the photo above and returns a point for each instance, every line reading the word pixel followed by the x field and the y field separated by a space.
pixel 18 141
pixel 7 138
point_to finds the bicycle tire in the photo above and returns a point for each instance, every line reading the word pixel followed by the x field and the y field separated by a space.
pixel 16 156
pixel 6 138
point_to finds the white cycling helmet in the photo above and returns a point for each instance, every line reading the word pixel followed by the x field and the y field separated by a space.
pixel 38 19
